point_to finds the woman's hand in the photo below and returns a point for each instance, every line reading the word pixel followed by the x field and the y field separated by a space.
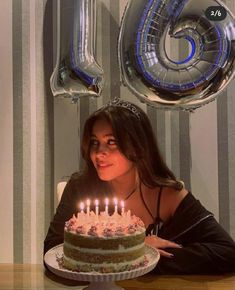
pixel 160 244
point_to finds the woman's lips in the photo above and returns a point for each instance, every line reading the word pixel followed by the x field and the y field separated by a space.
pixel 103 165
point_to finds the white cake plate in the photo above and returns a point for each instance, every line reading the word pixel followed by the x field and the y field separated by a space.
pixel 104 281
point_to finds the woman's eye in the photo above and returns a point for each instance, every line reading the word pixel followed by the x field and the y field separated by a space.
pixel 109 142
pixel 94 142
pixel 112 142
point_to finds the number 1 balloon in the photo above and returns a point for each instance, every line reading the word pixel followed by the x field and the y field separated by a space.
pixel 76 72
pixel 152 75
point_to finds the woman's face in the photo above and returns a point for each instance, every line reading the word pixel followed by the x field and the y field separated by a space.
pixel 109 162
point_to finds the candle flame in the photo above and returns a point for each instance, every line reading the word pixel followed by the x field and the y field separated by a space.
pixel 115 200
pixel 82 205
pixel 96 202
pixel 106 201
pixel 88 202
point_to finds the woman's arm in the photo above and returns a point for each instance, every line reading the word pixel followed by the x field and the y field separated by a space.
pixel 207 249
pixel 206 246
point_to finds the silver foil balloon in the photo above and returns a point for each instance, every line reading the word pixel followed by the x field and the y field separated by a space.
pixel 156 79
pixel 76 72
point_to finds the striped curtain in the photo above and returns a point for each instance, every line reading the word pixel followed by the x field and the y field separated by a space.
pixel 41 134
pixel 26 110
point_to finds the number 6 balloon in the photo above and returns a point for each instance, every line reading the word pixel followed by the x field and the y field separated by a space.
pixel 149 72
pixel 76 72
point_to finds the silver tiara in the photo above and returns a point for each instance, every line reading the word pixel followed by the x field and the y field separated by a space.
pixel 117 102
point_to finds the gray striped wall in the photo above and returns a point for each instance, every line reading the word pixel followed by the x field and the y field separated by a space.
pixel 40 135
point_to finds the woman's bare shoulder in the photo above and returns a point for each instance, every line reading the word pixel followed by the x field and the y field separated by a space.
pixel 172 198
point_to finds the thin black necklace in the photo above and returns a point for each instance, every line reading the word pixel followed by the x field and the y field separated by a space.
pixel 142 198
pixel 130 194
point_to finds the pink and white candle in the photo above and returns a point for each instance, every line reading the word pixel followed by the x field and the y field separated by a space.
pixel 122 207
pixel 96 207
pixel 106 201
pixel 115 200
pixel 88 203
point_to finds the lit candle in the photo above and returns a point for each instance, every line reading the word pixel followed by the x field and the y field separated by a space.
pixel 82 207
pixel 115 205
pixel 88 203
pixel 123 206
pixel 106 205
pixel 96 207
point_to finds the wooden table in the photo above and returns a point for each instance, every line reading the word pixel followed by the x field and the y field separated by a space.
pixel 31 277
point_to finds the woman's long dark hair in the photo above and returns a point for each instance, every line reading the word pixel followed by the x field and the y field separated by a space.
pixel 136 141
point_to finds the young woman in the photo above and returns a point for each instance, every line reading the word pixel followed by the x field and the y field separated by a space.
pixel 122 159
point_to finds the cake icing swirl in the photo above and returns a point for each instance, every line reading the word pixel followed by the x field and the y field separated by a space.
pixel 105 225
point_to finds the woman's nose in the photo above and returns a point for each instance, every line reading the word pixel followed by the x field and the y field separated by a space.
pixel 102 149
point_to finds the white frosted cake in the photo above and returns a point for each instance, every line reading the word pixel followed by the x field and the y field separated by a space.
pixel 104 243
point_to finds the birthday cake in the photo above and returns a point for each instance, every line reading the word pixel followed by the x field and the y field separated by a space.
pixel 104 243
